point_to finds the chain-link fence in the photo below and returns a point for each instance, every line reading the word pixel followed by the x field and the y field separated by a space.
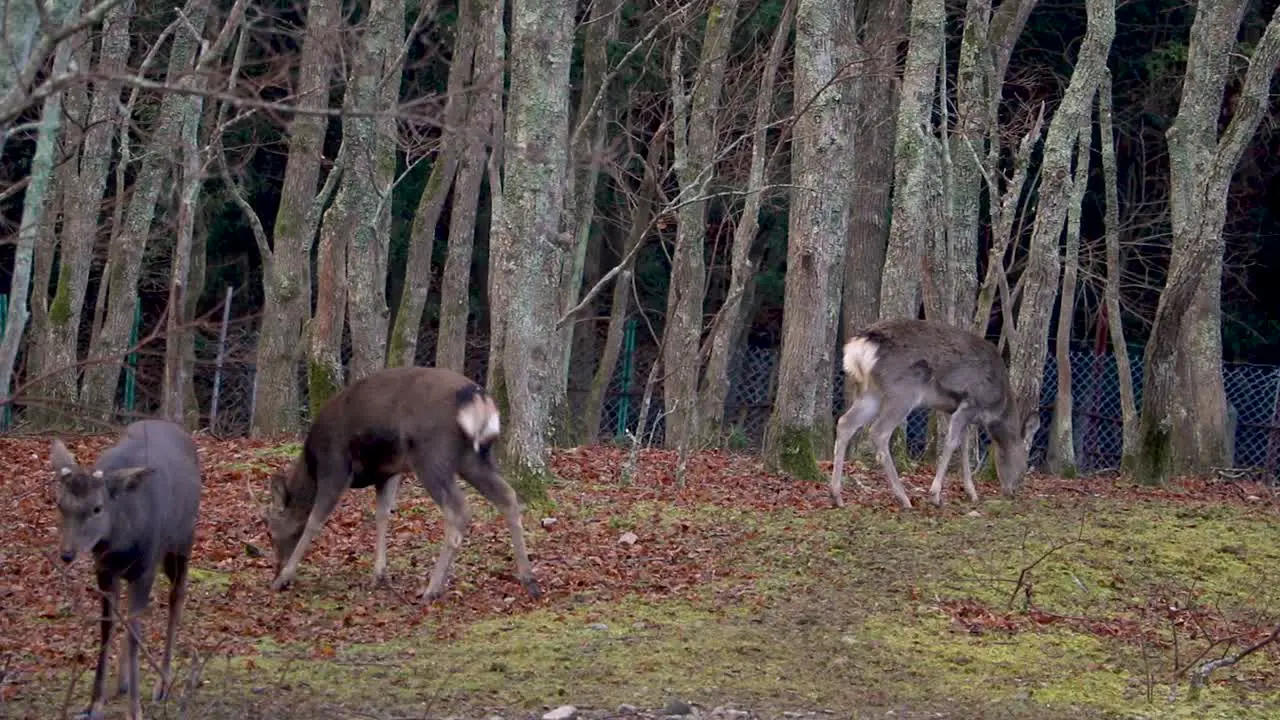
pixel 1253 392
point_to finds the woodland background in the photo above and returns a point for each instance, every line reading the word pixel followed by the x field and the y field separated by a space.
pixel 225 211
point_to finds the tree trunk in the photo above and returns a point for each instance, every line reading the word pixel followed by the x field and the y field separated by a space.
pixel 586 151
pixel 455 283
pixel 1115 321
pixel 695 115
pixel 641 217
pixel 371 168
pixel 422 235
pixel 1062 449
pixel 82 206
pixel 876 100
pixel 821 170
pixel 286 265
pixel 1184 409
pixel 36 202
pixel 722 340
pixel 1040 279
pixel 916 196
pixel 533 251
pixel 108 347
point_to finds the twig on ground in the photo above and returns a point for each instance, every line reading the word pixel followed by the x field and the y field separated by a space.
pixel 1200 676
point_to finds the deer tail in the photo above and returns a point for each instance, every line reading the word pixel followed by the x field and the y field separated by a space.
pixel 860 355
pixel 477 416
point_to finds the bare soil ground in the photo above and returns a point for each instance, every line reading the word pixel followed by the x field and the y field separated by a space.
pixel 742 595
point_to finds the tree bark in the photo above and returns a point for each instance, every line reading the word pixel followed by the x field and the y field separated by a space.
pixel 1062 449
pixel 695 115
pixel 422 235
pixel 533 252
pixel 1040 279
pixel 286 265
pixel 36 203
pixel 82 204
pixel 108 347
pixel 1184 410
pixel 876 99
pixel 1115 321
pixel 916 195
pixel 727 326
pixel 455 283
pixel 818 225
pixel 373 86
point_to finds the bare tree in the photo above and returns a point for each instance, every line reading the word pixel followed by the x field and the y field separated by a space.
pixel 484 120
pixel 917 169
pixel 124 258
pixel 875 89
pixel 530 249
pixel 422 234
pixel 286 262
pixel 35 203
pixel 696 110
pixel 1040 279
pixel 374 84
pixel 1184 410
pixel 727 328
pixel 83 190
pixel 801 420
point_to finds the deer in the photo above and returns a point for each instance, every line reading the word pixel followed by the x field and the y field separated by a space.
pixel 431 421
pixel 135 512
pixel 899 365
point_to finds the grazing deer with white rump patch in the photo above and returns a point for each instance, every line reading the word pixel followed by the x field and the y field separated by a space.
pixel 899 365
pixel 431 421
pixel 134 511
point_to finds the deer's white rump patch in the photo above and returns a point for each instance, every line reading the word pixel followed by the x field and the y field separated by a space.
pixel 860 355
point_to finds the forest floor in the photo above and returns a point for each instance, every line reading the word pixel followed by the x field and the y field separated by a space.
pixel 738 594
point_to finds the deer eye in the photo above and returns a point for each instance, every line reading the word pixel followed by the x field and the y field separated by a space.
pixel 97 509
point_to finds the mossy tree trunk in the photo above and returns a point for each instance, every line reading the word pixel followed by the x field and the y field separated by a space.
pixel 403 347
pixel 727 327
pixel 84 185
pixel 1184 410
pixel 695 110
pixel 800 425
pixel 528 232
pixel 286 263
pixel 36 202
pixel 1040 280
pixel 111 342
pixel 455 282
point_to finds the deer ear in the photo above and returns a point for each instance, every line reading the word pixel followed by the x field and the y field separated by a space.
pixel 279 492
pixel 126 480
pixel 61 458
pixel 1030 425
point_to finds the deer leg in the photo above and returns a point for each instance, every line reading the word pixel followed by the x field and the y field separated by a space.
pixel 966 471
pixel 139 598
pixel 955 436
pixel 858 415
pixel 175 568
pixel 320 511
pixel 386 503
pixel 481 474
pixel 109 588
pixel 890 417
pixel 439 483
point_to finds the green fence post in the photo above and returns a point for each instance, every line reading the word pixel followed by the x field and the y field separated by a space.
pixel 628 354
pixel 131 362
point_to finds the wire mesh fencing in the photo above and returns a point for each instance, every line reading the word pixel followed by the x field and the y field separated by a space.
pixel 225 394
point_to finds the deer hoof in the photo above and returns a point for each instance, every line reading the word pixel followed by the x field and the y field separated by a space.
pixel 280 583
pixel 531 587
pixel 91 715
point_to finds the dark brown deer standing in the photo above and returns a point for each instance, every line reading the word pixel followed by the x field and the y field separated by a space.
pixel 431 421
pixel 899 365
pixel 135 511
